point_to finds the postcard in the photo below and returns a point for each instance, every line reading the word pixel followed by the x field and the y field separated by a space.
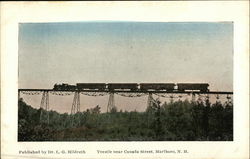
pixel 125 79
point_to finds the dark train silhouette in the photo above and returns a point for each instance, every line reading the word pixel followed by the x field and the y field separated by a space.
pixel 170 87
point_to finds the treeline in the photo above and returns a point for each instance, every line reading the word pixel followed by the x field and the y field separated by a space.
pixel 175 121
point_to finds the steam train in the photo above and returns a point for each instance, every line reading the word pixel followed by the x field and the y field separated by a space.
pixel 170 87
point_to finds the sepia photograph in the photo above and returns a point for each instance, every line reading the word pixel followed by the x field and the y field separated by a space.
pixel 125 81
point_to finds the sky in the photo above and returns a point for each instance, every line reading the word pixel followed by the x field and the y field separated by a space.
pixel 135 52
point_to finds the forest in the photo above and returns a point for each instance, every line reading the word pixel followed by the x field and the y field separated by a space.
pixel 173 121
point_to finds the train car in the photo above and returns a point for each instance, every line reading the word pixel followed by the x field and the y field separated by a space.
pixel 202 87
pixel 122 86
pixel 64 87
pixel 157 86
pixel 91 86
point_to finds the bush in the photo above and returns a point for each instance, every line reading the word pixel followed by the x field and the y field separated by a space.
pixel 175 121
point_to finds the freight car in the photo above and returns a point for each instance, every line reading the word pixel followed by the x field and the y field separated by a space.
pixel 202 87
pixel 157 86
pixel 122 86
pixel 91 86
pixel 64 87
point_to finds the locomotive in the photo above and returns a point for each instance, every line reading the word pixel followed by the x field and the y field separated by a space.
pixel 169 87
pixel 64 86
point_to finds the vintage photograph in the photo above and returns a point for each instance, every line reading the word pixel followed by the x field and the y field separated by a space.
pixel 125 81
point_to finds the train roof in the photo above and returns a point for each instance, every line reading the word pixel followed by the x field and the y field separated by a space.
pixel 194 83
pixel 90 83
pixel 122 83
pixel 157 83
